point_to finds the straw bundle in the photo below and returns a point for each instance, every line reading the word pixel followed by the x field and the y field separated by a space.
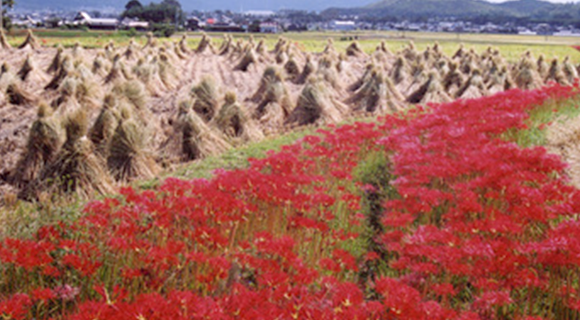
pixel 206 102
pixel 44 141
pixel 234 122
pixel 314 106
pixel 30 41
pixel 105 125
pixel 128 157
pixel 75 169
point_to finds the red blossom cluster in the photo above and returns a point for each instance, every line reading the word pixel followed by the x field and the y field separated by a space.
pixel 478 228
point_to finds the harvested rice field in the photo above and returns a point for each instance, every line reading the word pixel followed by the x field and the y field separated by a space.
pixel 86 120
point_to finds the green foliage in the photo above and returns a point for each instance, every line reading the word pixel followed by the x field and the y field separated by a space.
pixel 131 33
pixel 254 26
pixel 163 30
pixel 168 11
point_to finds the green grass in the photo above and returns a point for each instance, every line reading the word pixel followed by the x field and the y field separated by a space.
pixel 536 133
pixel 236 158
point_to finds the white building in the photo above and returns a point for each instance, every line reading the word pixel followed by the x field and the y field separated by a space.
pixel 83 18
pixel 342 25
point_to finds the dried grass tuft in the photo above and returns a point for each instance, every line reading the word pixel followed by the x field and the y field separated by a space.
pixel 235 123
pixel 248 59
pixel 206 102
pixel 128 157
pixel 198 139
pixel 18 96
pixel 308 70
pixel 105 125
pixel 314 106
pixel 75 169
pixel 44 141
pixel 205 44
pixel 30 41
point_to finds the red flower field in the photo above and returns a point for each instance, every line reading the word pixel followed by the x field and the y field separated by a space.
pixel 435 214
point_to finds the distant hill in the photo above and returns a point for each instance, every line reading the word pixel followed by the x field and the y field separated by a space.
pixel 527 7
pixel 405 9
pixel 456 8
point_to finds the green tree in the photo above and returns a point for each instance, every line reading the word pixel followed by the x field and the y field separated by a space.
pixel 5 20
pixel 133 4
pixel 168 11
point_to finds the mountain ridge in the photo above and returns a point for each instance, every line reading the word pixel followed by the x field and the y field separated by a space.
pixel 537 10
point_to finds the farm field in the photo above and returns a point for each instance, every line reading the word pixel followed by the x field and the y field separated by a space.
pixel 404 180
pixel 511 46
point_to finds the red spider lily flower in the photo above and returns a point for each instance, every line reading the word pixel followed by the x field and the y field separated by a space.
pixel 42 294
pixel 16 307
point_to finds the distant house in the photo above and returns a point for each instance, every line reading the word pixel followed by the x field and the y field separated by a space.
pixel 337 25
pixel 83 18
pixel 134 24
pixel 269 27
pixel 193 23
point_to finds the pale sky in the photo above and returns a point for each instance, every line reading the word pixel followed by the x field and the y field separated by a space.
pixel 559 1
